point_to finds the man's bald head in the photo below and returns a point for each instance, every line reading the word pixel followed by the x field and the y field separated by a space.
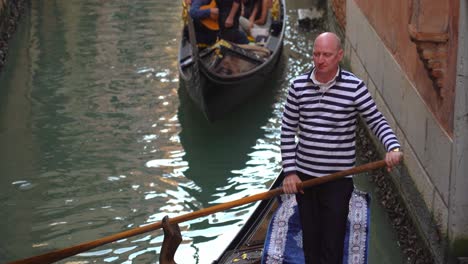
pixel 329 38
pixel 327 54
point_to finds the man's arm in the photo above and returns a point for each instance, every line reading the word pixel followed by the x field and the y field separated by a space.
pixel 253 15
pixel 230 19
pixel 196 12
pixel 264 13
pixel 379 126
pixel 289 126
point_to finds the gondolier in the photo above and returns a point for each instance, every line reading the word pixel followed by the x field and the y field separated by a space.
pixel 321 110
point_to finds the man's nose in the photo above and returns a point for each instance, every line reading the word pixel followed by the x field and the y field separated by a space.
pixel 319 58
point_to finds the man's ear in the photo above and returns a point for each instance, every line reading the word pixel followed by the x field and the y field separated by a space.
pixel 340 54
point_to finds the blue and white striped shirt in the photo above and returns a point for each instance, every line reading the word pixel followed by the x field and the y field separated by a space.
pixel 325 124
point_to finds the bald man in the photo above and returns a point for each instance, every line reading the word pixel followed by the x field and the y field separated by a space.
pixel 321 110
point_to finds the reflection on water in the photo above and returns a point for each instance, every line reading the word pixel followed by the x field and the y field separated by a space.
pixel 97 136
pixel 228 160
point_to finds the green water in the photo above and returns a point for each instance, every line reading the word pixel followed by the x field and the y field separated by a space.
pixel 97 137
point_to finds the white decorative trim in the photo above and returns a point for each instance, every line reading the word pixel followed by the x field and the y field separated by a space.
pixel 280 228
pixel 357 218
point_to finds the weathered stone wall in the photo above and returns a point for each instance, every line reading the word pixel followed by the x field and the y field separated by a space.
pixel 10 14
pixel 432 180
pixel 459 171
pixel 422 36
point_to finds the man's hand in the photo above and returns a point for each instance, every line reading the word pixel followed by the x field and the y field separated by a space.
pixel 290 184
pixel 393 158
pixel 229 22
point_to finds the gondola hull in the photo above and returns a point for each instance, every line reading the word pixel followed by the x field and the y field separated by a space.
pixel 217 97
pixel 247 245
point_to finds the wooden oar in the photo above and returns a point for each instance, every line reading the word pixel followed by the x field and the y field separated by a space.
pixel 70 251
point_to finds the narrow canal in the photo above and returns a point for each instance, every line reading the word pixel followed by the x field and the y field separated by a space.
pixel 97 137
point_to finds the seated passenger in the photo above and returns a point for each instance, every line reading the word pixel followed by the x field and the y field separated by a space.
pixel 229 13
pixel 205 20
pixel 258 21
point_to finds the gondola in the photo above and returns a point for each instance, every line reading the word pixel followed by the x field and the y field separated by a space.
pixel 273 230
pixel 223 76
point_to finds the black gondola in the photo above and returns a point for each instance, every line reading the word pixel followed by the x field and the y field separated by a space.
pixel 248 245
pixel 224 75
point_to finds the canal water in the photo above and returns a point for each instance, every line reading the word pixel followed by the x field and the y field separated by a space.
pixel 97 137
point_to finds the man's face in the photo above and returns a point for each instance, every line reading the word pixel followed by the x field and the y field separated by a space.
pixel 326 55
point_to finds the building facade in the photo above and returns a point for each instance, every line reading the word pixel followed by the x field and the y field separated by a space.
pixel 413 54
